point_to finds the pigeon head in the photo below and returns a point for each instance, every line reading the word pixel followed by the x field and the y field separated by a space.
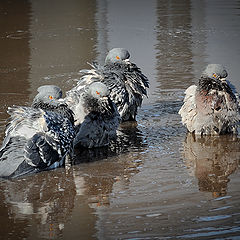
pixel 117 55
pixel 49 99
pixel 98 100
pixel 98 90
pixel 52 89
pixel 48 94
pixel 215 72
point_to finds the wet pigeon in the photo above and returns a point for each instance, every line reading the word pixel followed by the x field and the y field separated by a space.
pixel 46 100
pixel 126 82
pixel 36 139
pixel 96 116
pixel 211 107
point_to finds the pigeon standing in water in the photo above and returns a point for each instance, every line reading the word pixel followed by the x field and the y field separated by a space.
pixel 37 139
pixel 211 107
pixel 96 116
pixel 125 81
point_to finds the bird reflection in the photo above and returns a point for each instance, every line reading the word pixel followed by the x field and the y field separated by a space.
pixel 102 178
pixel 212 160
pixel 44 200
pixel 129 138
pixel 113 173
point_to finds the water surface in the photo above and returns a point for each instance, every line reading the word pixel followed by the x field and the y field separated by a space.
pixel 156 182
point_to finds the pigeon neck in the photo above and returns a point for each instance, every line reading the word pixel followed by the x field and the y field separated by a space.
pixel 91 103
pixel 207 84
pixel 57 108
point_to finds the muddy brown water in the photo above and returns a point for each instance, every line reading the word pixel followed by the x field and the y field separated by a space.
pixel 158 182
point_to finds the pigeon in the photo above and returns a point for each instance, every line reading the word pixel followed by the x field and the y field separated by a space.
pixel 37 139
pixel 212 106
pixel 96 117
pixel 125 81
pixel 46 100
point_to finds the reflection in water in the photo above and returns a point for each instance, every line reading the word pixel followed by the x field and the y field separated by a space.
pixel 118 163
pixel 222 36
pixel 42 205
pixel 174 47
pixel 134 189
pixel 63 41
pixel 129 138
pixel 42 201
pixel 102 32
pixel 212 160
pixel 198 17
pixel 15 54
pixel 133 30
pixel 100 177
pixel 161 123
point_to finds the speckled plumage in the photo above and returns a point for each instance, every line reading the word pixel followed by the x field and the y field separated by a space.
pixel 60 108
pixel 35 140
pixel 96 116
pixel 48 99
pixel 126 83
pixel 45 139
pixel 212 106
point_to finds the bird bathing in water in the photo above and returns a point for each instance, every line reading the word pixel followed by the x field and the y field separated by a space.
pixel 95 114
pixel 125 81
pixel 37 138
pixel 212 106
pixel 49 98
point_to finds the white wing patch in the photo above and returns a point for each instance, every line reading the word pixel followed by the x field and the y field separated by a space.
pixel 188 110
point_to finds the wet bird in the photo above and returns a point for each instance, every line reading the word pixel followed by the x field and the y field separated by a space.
pixel 37 139
pixel 126 82
pixel 96 116
pixel 49 99
pixel 211 107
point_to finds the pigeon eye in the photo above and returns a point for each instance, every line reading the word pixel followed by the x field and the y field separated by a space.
pixel 117 57
pixel 98 93
pixel 215 75
pixel 50 97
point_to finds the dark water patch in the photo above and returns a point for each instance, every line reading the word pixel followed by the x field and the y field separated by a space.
pixel 17 35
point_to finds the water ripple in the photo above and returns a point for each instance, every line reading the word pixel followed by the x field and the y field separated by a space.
pixel 212 232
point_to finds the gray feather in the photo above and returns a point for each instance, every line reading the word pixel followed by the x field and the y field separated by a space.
pixel 46 139
pixel 126 82
pixel 96 116
pixel 211 107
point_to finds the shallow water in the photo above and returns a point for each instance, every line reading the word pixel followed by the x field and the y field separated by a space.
pixel 157 182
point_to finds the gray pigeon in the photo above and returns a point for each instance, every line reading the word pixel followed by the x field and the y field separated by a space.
pixel 96 116
pixel 53 90
pixel 49 99
pixel 125 81
pixel 211 107
pixel 36 139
